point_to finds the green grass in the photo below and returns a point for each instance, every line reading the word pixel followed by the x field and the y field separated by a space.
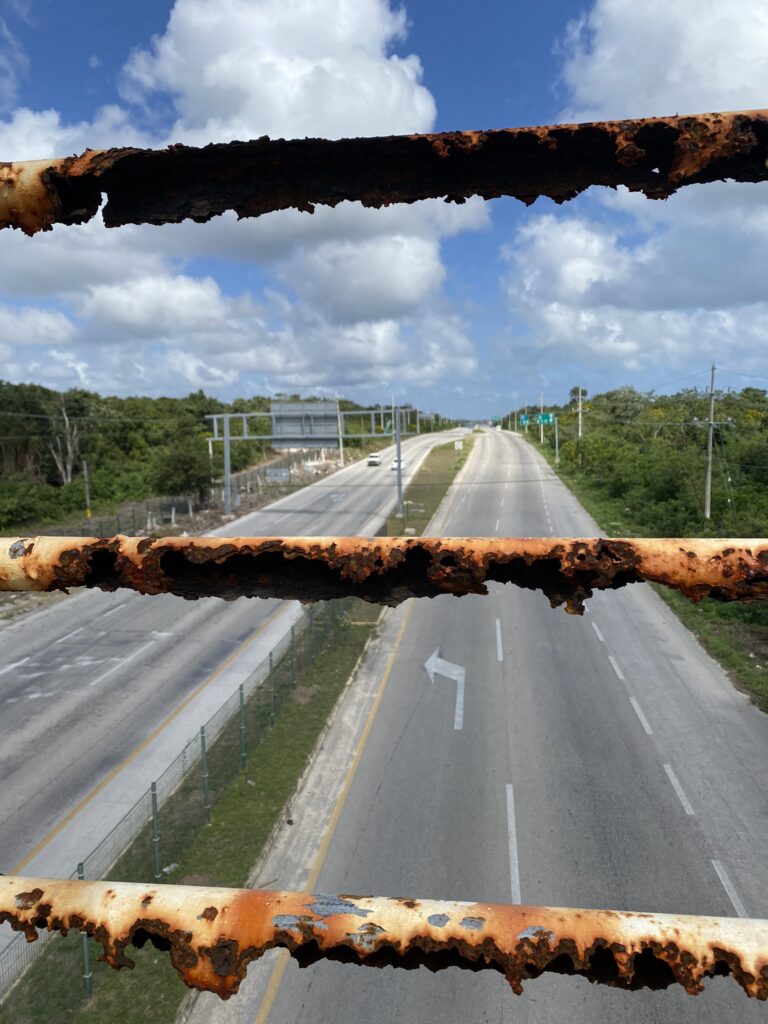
pixel 423 495
pixel 735 635
pixel 246 804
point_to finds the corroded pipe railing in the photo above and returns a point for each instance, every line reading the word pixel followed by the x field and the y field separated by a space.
pixel 213 934
pixel 385 570
pixel 655 156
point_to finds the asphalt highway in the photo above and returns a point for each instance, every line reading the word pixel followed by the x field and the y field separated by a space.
pixel 84 683
pixel 597 761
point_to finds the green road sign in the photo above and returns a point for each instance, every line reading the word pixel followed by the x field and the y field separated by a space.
pixel 524 419
pixel 545 418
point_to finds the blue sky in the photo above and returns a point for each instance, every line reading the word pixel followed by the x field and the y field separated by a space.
pixel 464 309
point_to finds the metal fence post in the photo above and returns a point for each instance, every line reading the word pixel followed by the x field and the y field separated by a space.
pixel 271 690
pixel 155 833
pixel 87 972
pixel 243 754
pixel 204 757
pixel 293 656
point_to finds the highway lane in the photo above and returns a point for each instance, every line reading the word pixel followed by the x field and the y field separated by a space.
pixel 83 683
pixel 602 761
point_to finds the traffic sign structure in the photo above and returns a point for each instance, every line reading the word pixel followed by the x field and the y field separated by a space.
pixel 546 418
pixel 523 419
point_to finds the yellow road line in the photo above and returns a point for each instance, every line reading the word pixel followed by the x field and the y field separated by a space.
pixel 277 974
pixel 17 869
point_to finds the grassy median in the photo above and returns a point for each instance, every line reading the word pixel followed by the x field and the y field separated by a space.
pixel 244 813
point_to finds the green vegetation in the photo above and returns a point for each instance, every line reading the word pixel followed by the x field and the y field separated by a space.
pixel 639 469
pixel 134 448
pixel 425 492
pixel 245 803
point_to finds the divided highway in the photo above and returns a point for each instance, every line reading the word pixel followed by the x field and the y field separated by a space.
pixel 601 761
pixel 85 683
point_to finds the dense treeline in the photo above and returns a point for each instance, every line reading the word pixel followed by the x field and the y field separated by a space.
pixel 644 459
pixel 134 448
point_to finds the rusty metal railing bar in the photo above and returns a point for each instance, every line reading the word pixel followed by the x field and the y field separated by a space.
pixel 385 570
pixel 656 156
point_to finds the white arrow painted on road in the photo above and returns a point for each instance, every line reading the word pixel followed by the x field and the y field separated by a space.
pixel 435 665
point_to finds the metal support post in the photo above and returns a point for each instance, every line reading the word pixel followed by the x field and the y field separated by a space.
pixel 87 972
pixel 271 690
pixel 557 445
pixel 340 427
pixel 580 425
pixel 293 656
pixel 227 468
pixel 243 752
pixel 541 419
pixel 204 759
pixel 710 446
pixel 400 505
pixel 155 833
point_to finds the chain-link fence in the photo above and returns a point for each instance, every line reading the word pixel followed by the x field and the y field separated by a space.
pixel 251 488
pixel 151 840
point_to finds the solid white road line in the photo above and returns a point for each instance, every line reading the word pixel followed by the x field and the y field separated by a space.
pixel 115 609
pixel 514 863
pixel 598 634
pixel 68 635
pixel 616 668
pixel 123 661
pixel 679 790
pixel 499 648
pixel 14 664
pixel 641 716
pixel 733 896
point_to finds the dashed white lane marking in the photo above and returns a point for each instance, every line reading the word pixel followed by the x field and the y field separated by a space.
pixel 679 790
pixel 496 527
pixel 730 889
pixel 68 635
pixel 598 634
pixel 641 716
pixel 615 667
pixel 120 663
pixel 115 609
pixel 14 664
pixel 514 863
pixel 499 647
pixel 502 503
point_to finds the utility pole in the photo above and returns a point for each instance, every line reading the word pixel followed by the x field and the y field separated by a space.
pixel 710 440
pixel 541 418
pixel 87 489
pixel 400 506
pixel 557 445
pixel 579 413
pixel 227 468
pixel 340 425
pixel 515 420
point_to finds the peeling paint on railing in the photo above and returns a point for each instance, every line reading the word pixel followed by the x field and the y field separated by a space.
pixel 212 934
pixel 655 156
pixel 384 570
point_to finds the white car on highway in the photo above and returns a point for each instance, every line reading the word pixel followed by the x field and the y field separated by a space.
pixel 374 459
pixel 395 461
